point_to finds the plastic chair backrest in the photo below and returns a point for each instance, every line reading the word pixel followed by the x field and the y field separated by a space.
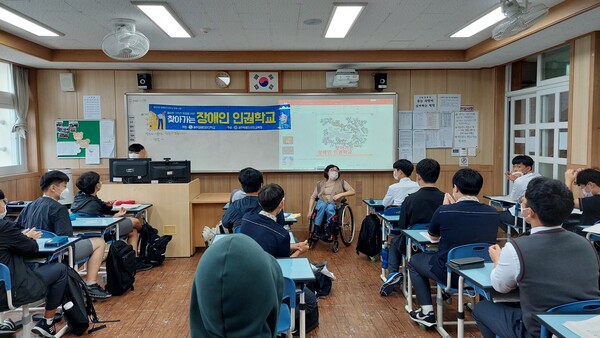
pixel 5 277
pixel 419 226
pixel 284 322
pixel 47 234
pixel 289 291
pixel 392 211
pixel 467 250
pixel 591 306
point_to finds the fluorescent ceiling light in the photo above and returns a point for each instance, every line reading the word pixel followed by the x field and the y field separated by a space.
pixel 342 19
pixel 165 18
pixel 19 20
pixel 480 24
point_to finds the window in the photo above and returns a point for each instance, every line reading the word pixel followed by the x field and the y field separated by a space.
pixel 12 147
pixel 537 110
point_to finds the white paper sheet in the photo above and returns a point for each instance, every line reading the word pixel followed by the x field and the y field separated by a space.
pixel 91 107
pixel 405 120
pixel 92 154
pixel 589 328
pixel 426 235
pixel 466 129
pixel 107 138
pixel 67 148
pixel 425 102
pixel 448 102
pixel 418 149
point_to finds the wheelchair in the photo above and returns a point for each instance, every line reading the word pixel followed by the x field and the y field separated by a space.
pixel 342 224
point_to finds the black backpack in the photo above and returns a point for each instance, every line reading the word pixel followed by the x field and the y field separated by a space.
pixel 152 246
pixel 78 307
pixel 120 268
pixel 369 238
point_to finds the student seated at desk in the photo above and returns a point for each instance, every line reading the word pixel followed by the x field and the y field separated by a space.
pixel 251 181
pixel 49 280
pixel 461 220
pixel 265 230
pixel 87 204
pixel 45 213
pixel 550 267
pixel 397 192
pixel 137 150
pixel 588 200
pixel 522 172
pixel 237 291
pixel 417 208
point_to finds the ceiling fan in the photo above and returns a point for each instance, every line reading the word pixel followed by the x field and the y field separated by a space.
pixel 125 43
pixel 518 18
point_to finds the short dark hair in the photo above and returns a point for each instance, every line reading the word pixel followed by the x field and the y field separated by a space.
pixel 524 160
pixel 429 170
pixel 87 182
pixel 52 177
pixel 550 199
pixel 136 147
pixel 270 196
pixel 2 197
pixel 588 175
pixel 405 166
pixel 326 170
pixel 250 179
pixel 468 181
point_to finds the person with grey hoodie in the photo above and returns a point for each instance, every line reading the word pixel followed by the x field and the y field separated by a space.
pixel 237 291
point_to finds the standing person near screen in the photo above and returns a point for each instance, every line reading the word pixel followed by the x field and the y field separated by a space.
pixel 397 192
pixel 550 267
pixel 137 150
pixel 588 200
pixel 329 193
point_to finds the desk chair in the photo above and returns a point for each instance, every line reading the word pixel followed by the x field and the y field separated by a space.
pixel 285 323
pixel 387 231
pixel 515 225
pixel 585 306
pixel 463 251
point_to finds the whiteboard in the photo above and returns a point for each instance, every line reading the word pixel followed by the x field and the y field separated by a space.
pixel 355 131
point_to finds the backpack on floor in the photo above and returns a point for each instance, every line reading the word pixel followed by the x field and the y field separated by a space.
pixel 311 307
pixel 78 307
pixel 152 246
pixel 120 268
pixel 369 238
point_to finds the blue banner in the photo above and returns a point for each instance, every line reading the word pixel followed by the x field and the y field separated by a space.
pixel 171 117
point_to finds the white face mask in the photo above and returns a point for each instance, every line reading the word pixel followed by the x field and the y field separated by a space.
pixel 64 194
pixel 586 193
pixel 395 176
pixel 133 155
pixel 333 175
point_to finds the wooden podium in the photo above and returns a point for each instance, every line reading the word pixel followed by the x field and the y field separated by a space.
pixel 171 211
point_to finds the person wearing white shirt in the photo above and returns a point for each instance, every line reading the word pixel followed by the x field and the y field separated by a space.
pixel 398 191
pixel 522 172
pixel 541 265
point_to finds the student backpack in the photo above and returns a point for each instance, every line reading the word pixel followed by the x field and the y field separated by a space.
pixel 78 307
pixel 120 268
pixel 369 238
pixel 152 246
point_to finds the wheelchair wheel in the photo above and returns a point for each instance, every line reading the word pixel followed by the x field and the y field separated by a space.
pixel 312 238
pixel 347 225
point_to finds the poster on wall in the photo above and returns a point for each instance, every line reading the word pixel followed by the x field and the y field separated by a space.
pixel 85 139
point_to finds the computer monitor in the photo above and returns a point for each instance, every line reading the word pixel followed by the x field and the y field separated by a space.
pixel 170 171
pixel 129 170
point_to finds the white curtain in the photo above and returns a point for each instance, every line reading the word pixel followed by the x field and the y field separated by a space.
pixel 21 99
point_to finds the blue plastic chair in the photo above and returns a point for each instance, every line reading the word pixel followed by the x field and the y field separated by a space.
pixel 463 251
pixel 584 306
pixel 5 277
pixel 47 234
pixel 284 323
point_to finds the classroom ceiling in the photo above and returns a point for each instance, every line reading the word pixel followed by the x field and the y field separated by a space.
pixel 267 27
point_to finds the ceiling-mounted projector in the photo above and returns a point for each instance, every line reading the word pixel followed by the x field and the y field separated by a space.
pixel 345 78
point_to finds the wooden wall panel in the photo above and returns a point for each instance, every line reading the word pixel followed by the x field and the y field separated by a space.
pixel 23 187
pixel 171 79
pixel 399 82
pixel 292 80
pixel 580 114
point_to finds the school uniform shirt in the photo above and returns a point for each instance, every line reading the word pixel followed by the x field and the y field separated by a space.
pixel 271 236
pixel 45 213
pixel 397 192
pixel 90 205
pixel 418 207
pixel 590 206
pixel 249 204
pixel 519 188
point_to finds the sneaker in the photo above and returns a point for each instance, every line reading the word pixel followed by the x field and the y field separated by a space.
pixel 427 320
pixel 8 328
pixel 96 291
pixel 42 328
pixel 141 266
pixel 387 288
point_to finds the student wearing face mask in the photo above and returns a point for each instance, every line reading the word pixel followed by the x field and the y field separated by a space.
pixel 586 194
pixel 329 192
pixel 522 172
pixel 137 150
pixel 398 191
pixel 46 213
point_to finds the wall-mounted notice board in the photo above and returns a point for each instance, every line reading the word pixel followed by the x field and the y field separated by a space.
pixel 270 132
pixel 85 138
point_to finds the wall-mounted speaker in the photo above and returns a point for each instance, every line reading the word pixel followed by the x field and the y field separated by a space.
pixel 144 81
pixel 67 84
pixel 380 81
